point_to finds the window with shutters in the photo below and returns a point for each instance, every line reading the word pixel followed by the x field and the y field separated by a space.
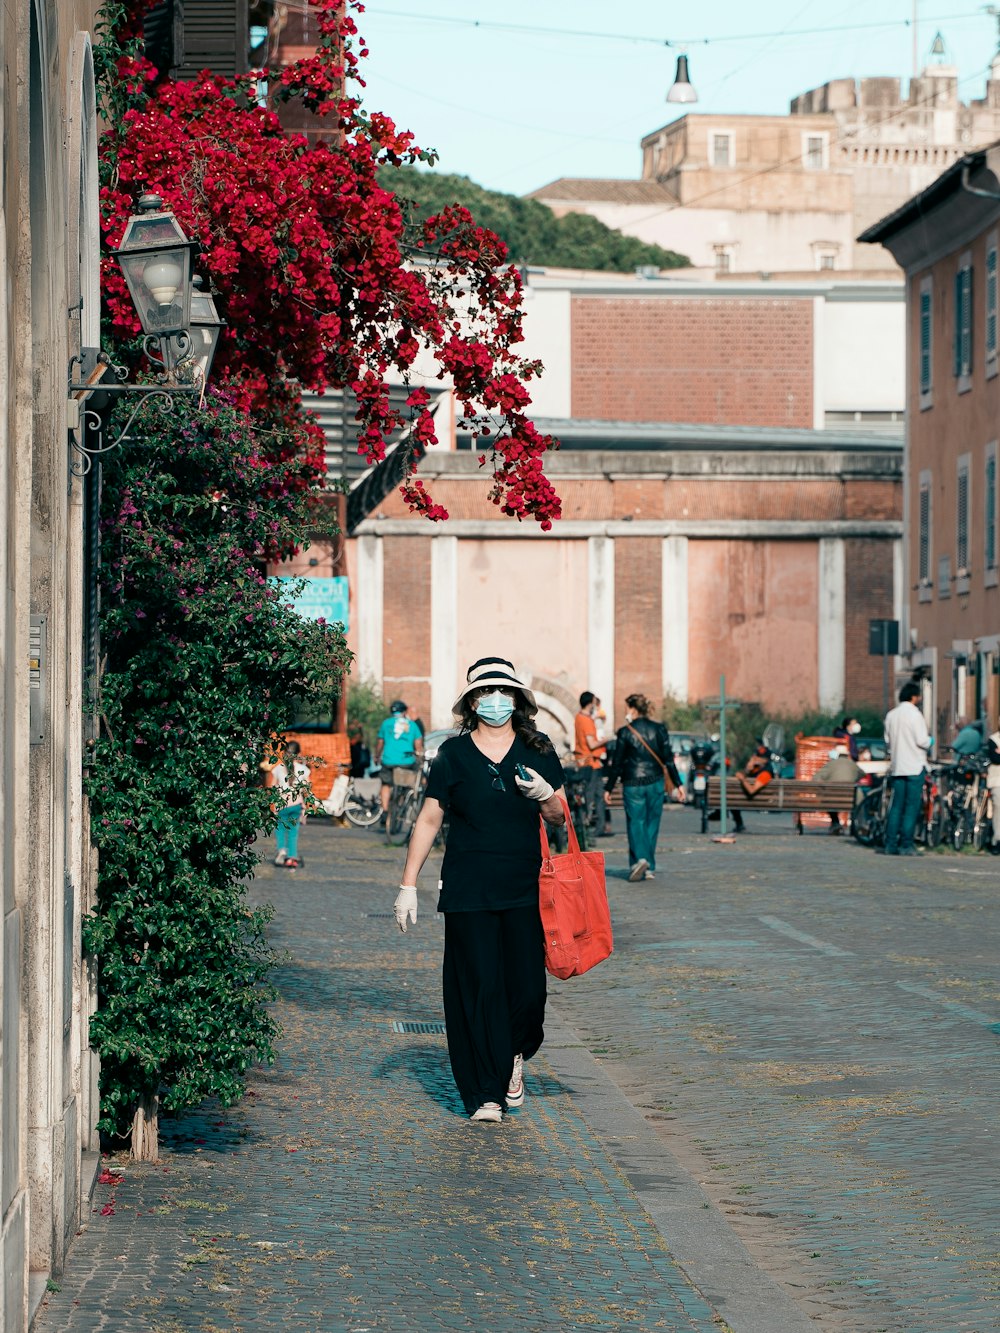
pixel 924 538
pixel 962 333
pixel 990 349
pixel 213 35
pixel 183 37
pixel 991 566
pixel 962 481
pixel 926 369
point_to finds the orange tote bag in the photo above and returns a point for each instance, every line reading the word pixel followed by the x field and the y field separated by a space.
pixel 573 902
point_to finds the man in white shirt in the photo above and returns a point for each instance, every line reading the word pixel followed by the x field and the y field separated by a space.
pixel 908 741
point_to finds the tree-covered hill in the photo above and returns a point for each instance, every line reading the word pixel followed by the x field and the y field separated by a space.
pixel 531 231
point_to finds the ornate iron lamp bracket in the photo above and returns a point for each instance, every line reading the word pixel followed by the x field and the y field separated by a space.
pixel 97 384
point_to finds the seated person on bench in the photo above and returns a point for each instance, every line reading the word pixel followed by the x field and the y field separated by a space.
pixel 840 767
pixel 753 777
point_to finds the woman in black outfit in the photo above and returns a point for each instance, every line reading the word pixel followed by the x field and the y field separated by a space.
pixel 494 959
pixel 642 759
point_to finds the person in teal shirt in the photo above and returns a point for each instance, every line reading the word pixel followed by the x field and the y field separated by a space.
pixel 969 740
pixel 399 744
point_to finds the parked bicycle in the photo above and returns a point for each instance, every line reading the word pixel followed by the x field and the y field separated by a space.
pixel 363 809
pixel 871 810
pixel 932 820
pixel 407 796
pixel 409 787
pixel 969 806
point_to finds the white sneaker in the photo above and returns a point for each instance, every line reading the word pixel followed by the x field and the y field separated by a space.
pixel 281 858
pixel 638 871
pixel 488 1111
pixel 650 875
pixel 515 1088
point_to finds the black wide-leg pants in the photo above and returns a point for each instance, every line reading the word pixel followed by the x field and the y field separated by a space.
pixel 494 997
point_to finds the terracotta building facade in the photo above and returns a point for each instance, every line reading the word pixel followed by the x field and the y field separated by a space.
pixel 683 553
pixel 947 239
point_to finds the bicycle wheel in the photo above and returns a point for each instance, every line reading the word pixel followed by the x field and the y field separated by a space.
pixel 960 831
pixel 402 812
pixel 935 822
pixel 363 811
pixel 982 832
pixel 864 819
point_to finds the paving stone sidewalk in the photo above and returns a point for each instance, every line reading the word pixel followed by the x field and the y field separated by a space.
pixel 349 1192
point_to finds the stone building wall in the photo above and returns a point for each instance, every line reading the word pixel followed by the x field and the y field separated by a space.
pixel 48 267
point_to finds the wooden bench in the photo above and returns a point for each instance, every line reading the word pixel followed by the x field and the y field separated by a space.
pixel 795 795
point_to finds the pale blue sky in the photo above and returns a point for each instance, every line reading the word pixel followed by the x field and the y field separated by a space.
pixel 517 106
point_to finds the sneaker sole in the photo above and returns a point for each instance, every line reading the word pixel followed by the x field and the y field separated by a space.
pixel 638 872
pixel 515 1098
pixel 489 1118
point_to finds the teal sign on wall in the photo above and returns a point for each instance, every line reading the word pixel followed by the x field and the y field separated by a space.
pixel 320 599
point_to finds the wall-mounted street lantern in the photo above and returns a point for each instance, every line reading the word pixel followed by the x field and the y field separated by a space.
pixel 155 258
pixel 181 328
pixel 206 326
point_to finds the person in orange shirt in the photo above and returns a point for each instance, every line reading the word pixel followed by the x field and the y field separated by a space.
pixel 589 751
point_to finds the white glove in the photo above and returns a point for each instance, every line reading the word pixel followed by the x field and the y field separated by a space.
pixel 535 790
pixel 405 906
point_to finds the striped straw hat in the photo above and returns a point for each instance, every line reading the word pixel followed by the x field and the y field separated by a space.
pixel 493 671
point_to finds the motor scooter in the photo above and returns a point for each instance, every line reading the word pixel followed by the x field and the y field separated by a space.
pixel 704 762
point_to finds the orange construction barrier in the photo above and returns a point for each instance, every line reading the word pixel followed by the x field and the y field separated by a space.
pixel 328 754
pixel 811 753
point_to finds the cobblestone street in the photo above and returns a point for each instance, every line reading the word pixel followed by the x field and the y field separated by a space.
pixel 773 1109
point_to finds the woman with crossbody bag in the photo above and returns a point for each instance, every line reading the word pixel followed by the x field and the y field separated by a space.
pixel 642 760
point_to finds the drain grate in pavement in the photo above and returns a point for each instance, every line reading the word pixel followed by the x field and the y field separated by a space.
pixel 435 1027
pixel 379 916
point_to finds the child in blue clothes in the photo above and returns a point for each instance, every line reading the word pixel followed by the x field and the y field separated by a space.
pixel 291 778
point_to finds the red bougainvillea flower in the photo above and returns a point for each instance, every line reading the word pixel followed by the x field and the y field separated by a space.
pixel 321 281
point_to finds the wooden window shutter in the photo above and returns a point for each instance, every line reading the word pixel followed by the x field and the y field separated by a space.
pixel 925 342
pixel 924 558
pixel 213 35
pixel 962 520
pixel 967 320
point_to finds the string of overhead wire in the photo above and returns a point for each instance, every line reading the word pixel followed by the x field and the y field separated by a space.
pixel 499 25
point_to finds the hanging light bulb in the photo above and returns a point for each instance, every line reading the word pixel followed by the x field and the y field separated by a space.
pixel 681 89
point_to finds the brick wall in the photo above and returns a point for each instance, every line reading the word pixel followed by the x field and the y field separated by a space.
pixel 724 498
pixel 752 617
pixel 638 616
pixel 869 597
pixel 722 362
pixel 406 661
pixel 882 499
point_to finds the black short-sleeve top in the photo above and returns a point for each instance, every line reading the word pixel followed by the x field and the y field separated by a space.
pixel 493 852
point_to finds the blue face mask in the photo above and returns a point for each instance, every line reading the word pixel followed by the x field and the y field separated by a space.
pixel 495 709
